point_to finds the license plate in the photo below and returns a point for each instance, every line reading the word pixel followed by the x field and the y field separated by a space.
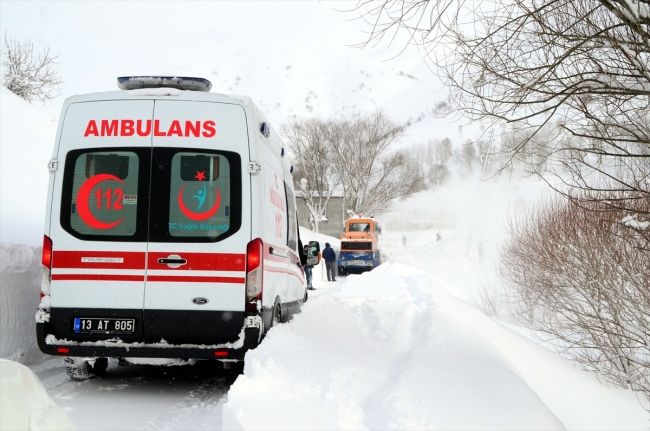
pixel 357 262
pixel 107 325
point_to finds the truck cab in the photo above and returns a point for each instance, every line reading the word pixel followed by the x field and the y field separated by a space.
pixel 359 246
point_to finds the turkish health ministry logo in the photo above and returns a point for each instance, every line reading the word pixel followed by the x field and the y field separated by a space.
pixel 200 196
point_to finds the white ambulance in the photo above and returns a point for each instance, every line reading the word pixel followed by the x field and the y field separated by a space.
pixel 171 227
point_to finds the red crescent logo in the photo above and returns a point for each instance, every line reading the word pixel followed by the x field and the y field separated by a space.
pixel 83 207
pixel 198 216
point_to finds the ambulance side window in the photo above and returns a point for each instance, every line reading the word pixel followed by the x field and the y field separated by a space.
pixel 103 194
pixel 292 220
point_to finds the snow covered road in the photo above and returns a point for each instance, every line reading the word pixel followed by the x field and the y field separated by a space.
pixel 141 396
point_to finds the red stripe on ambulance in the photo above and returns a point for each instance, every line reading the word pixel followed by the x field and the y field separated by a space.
pixel 200 261
pixel 136 260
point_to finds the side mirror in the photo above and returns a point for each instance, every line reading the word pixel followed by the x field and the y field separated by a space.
pixel 378 230
pixel 313 255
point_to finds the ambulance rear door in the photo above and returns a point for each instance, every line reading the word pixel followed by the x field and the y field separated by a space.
pixel 200 223
pixel 98 222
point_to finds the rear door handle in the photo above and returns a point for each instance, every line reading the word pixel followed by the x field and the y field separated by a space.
pixel 172 261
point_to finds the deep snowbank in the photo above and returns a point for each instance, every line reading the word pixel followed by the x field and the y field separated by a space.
pixel 27 133
pixel 25 402
pixel 20 285
pixel 394 349
pixel 379 355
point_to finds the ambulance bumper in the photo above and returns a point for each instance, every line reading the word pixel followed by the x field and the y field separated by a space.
pixel 141 350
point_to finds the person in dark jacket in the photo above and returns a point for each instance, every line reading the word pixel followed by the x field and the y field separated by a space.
pixel 329 255
pixel 308 269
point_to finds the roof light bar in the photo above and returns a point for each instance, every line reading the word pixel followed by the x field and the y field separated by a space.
pixel 180 82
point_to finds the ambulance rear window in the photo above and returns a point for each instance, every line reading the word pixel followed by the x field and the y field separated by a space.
pixel 141 194
pixel 101 194
pixel 199 199
pixel 198 195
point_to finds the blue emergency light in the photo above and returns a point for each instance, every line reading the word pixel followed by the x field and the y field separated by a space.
pixel 179 82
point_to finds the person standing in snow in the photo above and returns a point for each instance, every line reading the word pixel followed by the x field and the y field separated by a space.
pixel 330 262
pixel 308 269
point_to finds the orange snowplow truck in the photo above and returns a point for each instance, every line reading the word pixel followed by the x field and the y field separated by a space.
pixel 359 246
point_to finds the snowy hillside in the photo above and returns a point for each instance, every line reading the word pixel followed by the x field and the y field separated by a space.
pixel 405 88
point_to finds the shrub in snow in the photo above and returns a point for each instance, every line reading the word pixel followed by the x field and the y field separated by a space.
pixel 579 277
pixel 28 75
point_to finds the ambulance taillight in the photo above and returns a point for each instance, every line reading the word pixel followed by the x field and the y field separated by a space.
pixel 46 259
pixel 47 252
pixel 254 274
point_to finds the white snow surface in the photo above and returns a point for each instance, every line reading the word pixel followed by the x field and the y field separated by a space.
pixel 394 349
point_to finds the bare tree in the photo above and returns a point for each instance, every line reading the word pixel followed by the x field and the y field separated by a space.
pixel 27 74
pixel 351 155
pixel 443 150
pixel 577 277
pixel 580 64
pixel 468 155
pixel 310 142
pixel 371 175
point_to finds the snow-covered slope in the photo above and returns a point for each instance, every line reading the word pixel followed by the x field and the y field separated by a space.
pixel 336 82
pixel 393 349
pixel 27 134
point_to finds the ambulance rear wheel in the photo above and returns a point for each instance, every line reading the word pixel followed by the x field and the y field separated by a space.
pixel 99 367
pixel 277 316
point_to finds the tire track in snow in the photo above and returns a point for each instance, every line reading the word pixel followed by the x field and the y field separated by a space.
pixel 141 396
pixel 377 408
pixel 201 409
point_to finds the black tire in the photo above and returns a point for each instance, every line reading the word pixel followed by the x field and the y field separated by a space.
pixel 277 315
pixel 78 369
pixel 99 367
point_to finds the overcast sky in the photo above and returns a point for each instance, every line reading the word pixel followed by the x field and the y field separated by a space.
pixel 290 57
